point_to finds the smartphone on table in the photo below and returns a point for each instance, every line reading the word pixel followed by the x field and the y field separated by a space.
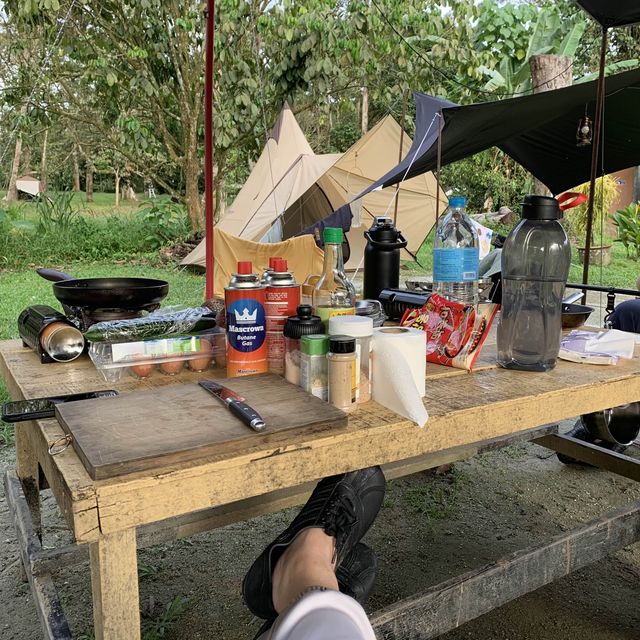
pixel 39 408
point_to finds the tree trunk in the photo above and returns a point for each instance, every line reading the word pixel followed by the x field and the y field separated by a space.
pixel 26 161
pixel 128 193
pixel 220 194
pixel 88 182
pixel 549 72
pixel 191 168
pixel 192 195
pixel 116 173
pixel 76 170
pixel 365 110
pixel 44 180
pixel 12 192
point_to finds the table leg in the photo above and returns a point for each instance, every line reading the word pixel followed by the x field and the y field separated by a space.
pixel 114 581
pixel 28 471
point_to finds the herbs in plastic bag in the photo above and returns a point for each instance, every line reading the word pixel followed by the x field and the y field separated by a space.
pixel 159 324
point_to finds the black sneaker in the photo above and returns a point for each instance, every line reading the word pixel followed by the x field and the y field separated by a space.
pixel 356 576
pixel 343 506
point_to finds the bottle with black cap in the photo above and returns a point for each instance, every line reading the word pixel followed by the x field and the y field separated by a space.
pixel 535 266
pixel 302 324
pixel 342 372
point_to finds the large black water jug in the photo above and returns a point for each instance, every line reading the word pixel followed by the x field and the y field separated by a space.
pixel 382 257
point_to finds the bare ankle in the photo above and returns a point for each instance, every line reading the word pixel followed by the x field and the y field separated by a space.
pixel 307 562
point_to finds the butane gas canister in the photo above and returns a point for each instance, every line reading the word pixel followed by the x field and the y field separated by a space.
pixel 283 298
pixel 246 323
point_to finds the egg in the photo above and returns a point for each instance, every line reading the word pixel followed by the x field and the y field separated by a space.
pixel 171 368
pixel 142 370
pixel 202 363
pixel 220 349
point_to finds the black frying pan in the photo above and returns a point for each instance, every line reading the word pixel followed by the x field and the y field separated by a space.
pixel 105 293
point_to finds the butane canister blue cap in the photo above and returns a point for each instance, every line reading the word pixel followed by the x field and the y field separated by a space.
pixel 457 201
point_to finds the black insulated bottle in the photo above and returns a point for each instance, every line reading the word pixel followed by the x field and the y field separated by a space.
pixel 382 257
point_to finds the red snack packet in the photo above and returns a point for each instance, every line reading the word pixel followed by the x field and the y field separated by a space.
pixel 454 331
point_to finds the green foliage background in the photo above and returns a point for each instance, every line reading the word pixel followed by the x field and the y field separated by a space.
pixel 127 98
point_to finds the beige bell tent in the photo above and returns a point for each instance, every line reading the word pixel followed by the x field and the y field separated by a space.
pixel 291 188
pixel 284 148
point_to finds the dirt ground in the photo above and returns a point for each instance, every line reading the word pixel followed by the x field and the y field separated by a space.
pixel 430 528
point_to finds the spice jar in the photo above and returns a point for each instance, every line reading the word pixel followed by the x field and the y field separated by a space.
pixel 313 365
pixel 303 324
pixel 342 372
pixel 360 328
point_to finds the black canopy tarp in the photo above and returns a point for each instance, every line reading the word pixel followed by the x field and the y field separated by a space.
pixel 612 13
pixel 538 131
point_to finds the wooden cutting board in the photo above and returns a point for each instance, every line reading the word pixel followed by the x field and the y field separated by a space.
pixel 150 429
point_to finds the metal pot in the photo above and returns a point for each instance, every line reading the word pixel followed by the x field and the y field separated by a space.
pixel 619 425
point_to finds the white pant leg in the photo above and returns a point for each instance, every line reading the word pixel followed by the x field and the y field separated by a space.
pixel 322 615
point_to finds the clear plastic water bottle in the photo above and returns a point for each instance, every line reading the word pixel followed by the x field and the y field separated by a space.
pixel 456 255
pixel 535 265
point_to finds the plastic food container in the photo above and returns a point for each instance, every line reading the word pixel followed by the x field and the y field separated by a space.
pixel 303 324
pixel 148 357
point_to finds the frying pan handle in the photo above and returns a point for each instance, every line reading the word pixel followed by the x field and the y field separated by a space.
pixel 53 275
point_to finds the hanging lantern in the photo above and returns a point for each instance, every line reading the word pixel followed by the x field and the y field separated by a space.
pixel 584 132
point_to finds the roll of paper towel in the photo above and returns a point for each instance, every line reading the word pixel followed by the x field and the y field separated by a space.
pixel 399 368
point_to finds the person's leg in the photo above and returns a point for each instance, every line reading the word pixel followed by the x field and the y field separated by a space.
pixel 322 615
pixel 306 562
pixel 355 576
pixel 341 508
pixel 296 581
pixel 306 596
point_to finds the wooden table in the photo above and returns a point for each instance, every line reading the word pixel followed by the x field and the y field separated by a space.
pixel 467 413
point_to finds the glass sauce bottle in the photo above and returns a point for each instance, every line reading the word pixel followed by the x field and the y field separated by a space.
pixel 334 295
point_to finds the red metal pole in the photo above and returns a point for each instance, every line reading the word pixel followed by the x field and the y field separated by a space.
pixel 208 148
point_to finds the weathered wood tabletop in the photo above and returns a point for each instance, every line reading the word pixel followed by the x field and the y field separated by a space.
pixel 464 408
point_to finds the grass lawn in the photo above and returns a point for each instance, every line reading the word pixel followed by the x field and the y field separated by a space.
pixel 103 204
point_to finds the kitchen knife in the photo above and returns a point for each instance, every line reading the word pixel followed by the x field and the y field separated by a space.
pixel 235 404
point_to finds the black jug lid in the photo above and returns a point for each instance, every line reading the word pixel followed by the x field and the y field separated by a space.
pixel 304 324
pixel 383 230
pixel 540 208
